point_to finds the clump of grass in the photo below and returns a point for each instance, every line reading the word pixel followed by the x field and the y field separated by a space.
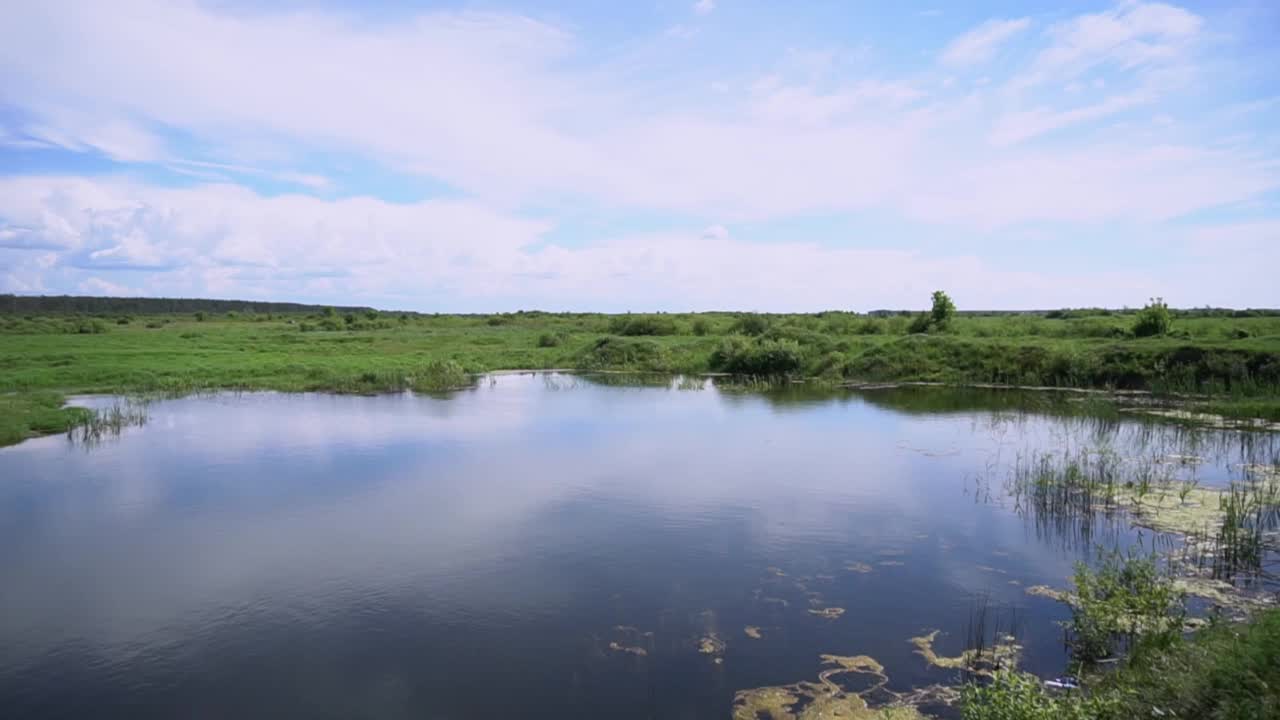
pixel 98 425
pixel 25 415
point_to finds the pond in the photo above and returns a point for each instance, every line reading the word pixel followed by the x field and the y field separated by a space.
pixel 541 546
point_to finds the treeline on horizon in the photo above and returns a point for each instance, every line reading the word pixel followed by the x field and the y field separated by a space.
pixel 100 305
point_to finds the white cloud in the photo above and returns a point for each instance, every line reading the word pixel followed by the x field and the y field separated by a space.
pixel 484 103
pixel 98 286
pixel 1017 126
pixel 1130 36
pixel 514 113
pixel 980 44
pixel 704 7
pixel 224 241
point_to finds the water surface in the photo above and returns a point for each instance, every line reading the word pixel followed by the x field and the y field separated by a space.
pixel 474 555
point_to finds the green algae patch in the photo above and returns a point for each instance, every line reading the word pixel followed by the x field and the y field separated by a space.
pixel 1045 591
pixel 752 632
pixel 630 641
pixel 829 613
pixel 711 644
pixel 1002 655
pixel 631 649
pixel 825 699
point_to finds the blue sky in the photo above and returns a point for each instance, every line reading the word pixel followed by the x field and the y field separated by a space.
pixel 643 156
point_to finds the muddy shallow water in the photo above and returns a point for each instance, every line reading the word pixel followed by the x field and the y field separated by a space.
pixel 540 546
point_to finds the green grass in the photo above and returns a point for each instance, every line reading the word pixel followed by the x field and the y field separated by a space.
pixel 1224 672
pixel 29 414
pixel 1235 358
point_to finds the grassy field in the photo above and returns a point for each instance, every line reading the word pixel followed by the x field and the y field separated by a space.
pixel 1233 356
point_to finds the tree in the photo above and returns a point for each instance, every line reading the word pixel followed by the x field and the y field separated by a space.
pixel 1153 319
pixel 943 309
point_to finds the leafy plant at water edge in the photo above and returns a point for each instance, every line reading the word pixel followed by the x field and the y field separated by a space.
pixel 1121 601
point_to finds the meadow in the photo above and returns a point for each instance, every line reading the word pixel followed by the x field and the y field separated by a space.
pixel 1231 358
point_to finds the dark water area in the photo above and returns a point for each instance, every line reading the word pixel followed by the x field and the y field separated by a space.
pixel 495 552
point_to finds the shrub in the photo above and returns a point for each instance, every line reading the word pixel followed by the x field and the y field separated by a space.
pixel 744 356
pixel 1153 319
pixel 90 327
pixel 549 340
pixel 919 324
pixel 636 325
pixel 1124 599
pixel 122 320
pixel 943 309
pixel 701 327
pixel 200 316
pixel 1014 695
pixel 614 352
pixel 371 314
pixel 751 324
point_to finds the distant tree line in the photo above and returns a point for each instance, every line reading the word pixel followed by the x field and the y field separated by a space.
pixel 85 305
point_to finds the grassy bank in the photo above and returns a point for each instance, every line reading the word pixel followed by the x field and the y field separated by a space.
pixel 1234 356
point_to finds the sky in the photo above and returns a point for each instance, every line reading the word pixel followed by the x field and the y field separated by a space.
pixel 647 155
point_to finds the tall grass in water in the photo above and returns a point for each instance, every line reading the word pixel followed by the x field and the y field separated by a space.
pixel 1250 511
pixel 101 424
pixel 1067 485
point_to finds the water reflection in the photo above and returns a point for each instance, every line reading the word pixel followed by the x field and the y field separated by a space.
pixel 475 554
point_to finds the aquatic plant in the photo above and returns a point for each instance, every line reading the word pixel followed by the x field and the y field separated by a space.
pixel 101 424
pixel 1121 600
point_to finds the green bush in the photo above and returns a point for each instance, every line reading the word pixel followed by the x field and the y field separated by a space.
pixel 701 327
pixel 920 324
pixel 638 325
pixel 745 356
pixel 1014 695
pixel 1124 599
pixel 1153 319
pixel 623 353
pixel 549 340
pixel 943 309
pixel 751 324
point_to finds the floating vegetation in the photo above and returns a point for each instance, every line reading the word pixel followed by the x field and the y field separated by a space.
pixel 1047 592
pixel 775 571
pixel 1002 654
pixel 830 613
pixel 827 699
pixel 891 563
pixel 752 632
pixel 858 567
pixel 988 568
pixel 712 645
pixel 632 649
pixel 631 641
